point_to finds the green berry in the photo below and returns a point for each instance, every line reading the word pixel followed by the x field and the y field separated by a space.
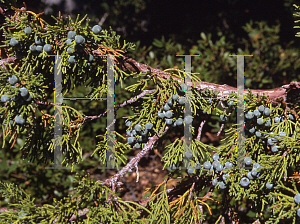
pixel 96 29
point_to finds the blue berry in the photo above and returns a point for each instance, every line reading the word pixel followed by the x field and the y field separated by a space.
pixel 173 167
pixel 190 170
pixel 207 165
pixel 298 212
pixel 230 103
pixel 268 123
pixel 215 182
pixel 248 160
pixel 169 121
pixel 277 119
pixel 261 108
pixel 244 182
pixel 27 98
pixel 297 198
pixel 269 185
pixel 252 130
pixel 28 30
pixel 13 42
pixel 79 39
pixel 274 148
pixel 281 133
pixel 170 102
pixel 140 139
pixel 291 117
pixel 249 175
pixel 188 154
pixel 39 48
pixel 258 134
pixel 23 91
pixel 71 35
pixel 5 98
pixel 13 80
pixel 225 176
pixel 222 185
pixel 182 88
pixel 144 132
pixel 128 123
pixel 197 166
pixel 22 213
pixel 179 121
pixel 181 100
pixel 223 118
pixel 96 29
pixel 91 57
pixel 138 127
pixel 169 114
pixel 219 168
pixel 270 142
pixel 149 126
pixel 70 50
pixel 175 97
pixel 47 47
pixel 69 41
pixel 267 111
pixel 38 40
pixel 167 107
pixel 71 59
pixel 188 119
pixel 130 140
pixel 161 114
pixel 137 145
pixel 216 163
pixel 216 156
pixel 260 121
pixel 228 165
pixel 249 115
pixel 256 113
pixel 257 166
pixel 32 48
pixel 19 119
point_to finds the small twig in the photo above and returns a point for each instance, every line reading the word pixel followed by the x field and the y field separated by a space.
pixel 200 130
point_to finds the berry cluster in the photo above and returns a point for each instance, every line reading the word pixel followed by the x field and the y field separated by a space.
pixel 169 109
pixel 138 135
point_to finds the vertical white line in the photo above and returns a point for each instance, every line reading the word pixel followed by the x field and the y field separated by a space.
pixel 110 113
